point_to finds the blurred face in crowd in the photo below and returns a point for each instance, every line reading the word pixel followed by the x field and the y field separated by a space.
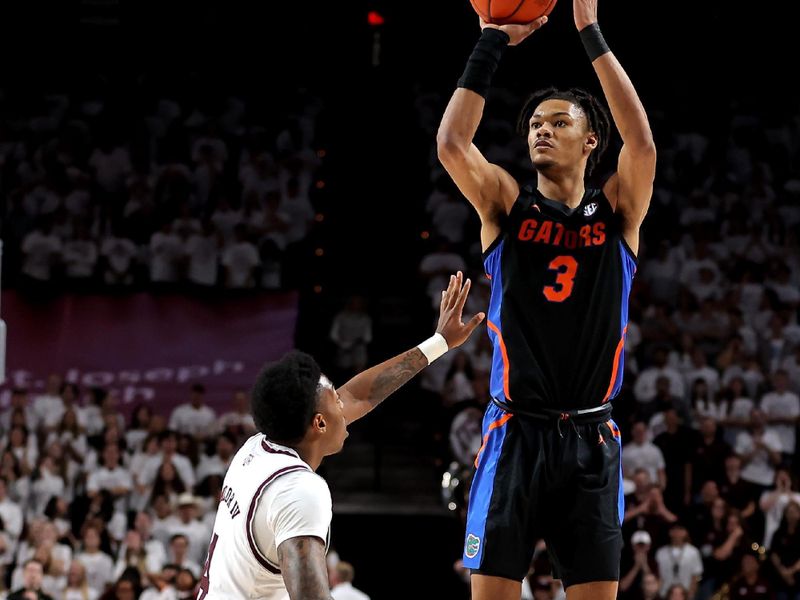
pixel 709 492
pixel 708 427
pixel 184 581
pixel 125 591
pixel 792 514
pixel 642 480
pixel 197 398
pixel 179 547
pixel 19 399
pixel 187 512
pixel 91 539
pixel 111 456
pixel 224 448
pixel 677 593
pixel 749 565
pixel 167 471
pixel 650 586
pixel 32 575
pixel 142 523
pixel 639 433
pixel 756 420
pixel 75 575
pixel 719 509
pixel 678 536
pixel 53 384
pixel 781 381
pixel 733 466
pixel 161 507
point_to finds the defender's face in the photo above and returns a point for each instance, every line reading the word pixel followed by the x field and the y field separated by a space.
pixel 331 408
pixel 558 135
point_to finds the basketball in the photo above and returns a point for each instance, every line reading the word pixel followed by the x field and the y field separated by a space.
pixel 504 12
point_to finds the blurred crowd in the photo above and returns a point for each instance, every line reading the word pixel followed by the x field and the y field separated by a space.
pixel 95 505
pixel 155 192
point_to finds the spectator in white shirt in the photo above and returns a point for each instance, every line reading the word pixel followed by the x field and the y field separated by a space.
pixel 111 165
pixel 640 453
pixel 437 267
pixel 351 332
pixel 782 409
pixel 19 402
pixel 50 400
pixel 341 580
pixel 10 512
pixel 98 564
pixel 679 563
pixel 179 553
pixel 194 417
pixel 240 259
pixel 218 463
pixel 41 251
pixel 80 256
pixel 238 422
pixel 774 502
pixel 700 370
pixel 77 587
pixel 202 250
pixel 298 208
pixel 166 250
pixel 185 522
pixel 112 477
pixel 760 451
pixel 645 387
pixel 168 441
pixel 119 254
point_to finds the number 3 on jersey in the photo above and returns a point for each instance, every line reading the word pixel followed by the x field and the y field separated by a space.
pixel 565 267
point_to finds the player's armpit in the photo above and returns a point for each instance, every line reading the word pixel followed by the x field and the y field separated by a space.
pixel 304 570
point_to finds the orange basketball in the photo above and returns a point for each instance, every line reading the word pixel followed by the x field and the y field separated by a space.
pixel 503 12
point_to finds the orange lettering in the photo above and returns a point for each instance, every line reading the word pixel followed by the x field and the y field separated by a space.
pixel 571 239
pixel 599 234
pixel 559 234
pixel 544 232
pixel 586 235
pixel 527 229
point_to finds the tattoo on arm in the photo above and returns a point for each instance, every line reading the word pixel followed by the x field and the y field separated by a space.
pixel 393 377
pixel 304 569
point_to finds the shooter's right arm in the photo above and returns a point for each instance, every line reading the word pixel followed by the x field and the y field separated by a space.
pixel 488 187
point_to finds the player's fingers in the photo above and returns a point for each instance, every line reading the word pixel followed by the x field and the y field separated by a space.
pixel 452 292
pixel 462 297
pixel 534 25
pixel 475 321
pixel 448 293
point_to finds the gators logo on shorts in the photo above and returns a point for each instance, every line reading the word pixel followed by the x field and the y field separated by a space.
pixel 472 546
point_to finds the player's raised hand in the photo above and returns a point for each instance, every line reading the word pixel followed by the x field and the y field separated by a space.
pixel 450 324
pixel 517 33
pixel 585 13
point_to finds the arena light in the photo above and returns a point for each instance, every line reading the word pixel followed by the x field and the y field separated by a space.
pixel 375 19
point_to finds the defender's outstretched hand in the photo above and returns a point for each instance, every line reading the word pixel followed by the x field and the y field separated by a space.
pixel 453 298
pixel 584 12
pixel 517 33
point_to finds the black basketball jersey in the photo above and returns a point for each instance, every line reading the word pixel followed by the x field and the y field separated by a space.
pixel 559 304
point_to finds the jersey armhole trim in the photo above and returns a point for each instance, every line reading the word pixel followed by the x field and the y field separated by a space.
pixel 260 558
pixel 630 252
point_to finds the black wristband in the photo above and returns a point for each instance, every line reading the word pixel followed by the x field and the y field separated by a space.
pixel 593 41
pixel 484 60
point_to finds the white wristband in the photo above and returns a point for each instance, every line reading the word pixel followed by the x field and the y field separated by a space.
pixel 434 347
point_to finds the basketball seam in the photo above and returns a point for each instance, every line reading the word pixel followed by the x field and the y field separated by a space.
pixel 516 10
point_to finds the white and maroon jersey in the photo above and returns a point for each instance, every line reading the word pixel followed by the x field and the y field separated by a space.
pixel 269 495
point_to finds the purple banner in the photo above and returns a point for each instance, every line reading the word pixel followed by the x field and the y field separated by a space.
pixel 145 347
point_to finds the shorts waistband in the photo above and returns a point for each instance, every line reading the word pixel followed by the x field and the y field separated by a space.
pixel 598 414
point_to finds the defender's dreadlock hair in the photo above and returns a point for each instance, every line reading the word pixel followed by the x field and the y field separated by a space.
pixel 596 115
